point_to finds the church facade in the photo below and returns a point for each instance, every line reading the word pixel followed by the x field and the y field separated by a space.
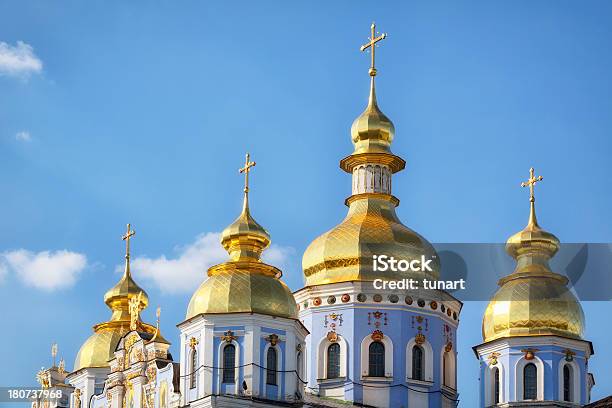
pixel 248 341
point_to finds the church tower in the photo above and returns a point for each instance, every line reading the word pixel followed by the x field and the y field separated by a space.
pixel 241 336
pixel 91 366
pixel 383 348
pixel 533 352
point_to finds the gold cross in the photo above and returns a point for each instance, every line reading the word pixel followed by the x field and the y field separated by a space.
pixel 372 44
pixel 246 170
pixel 128 234
pixel 531 183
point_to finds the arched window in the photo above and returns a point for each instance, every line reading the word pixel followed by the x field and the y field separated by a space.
pixel 495 374
pixel 333 360
pixel 376 358
pixel 530 382
pixel 418 366
pixel 194 367
pixel 567 383
pixel 229 364
pixel 271 366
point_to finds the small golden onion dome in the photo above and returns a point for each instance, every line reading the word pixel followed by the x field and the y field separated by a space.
pixel 371 227
pixel 372 131
pixel 533 300
pixel 245 238
pixel 118 297
pixel 100 347
pixel 244 284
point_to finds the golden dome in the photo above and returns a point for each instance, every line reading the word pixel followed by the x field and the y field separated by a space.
pixel 244 284
pixel 101 345
pixel 245 238
pixel 533 300
pixel 372 131
pixel 371 227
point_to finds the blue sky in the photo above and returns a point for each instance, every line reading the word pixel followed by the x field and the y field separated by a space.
pixel 141 112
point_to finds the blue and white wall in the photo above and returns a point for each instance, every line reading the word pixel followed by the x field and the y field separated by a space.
pixel 550 354
pixel 353 311
pixel 252 336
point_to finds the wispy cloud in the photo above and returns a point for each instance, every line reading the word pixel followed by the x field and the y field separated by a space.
pixel 19 60
pixel 187 269
pixel 23 136
pixel 44 270
pixel 3 271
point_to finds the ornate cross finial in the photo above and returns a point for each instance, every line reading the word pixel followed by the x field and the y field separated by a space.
pixel 128 234
pixel 531 183
pixel 246 170
pixel 372 45
pixel 158 313
pixel 134 305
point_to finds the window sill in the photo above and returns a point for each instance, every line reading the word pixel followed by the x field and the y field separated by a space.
pixel 331 380
pixel 377 379
pixel 419 382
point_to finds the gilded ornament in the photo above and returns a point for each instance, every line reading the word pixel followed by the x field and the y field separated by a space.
pixel 273 339
pixel 569 355
pixel 448 347
pixel 377 335
pixel 317 301
pixel 135 311
pixel 228 336
pixel 193 342
pixel 419 338
pixel 332 336
pixel 44 378
pixel 493 358
pixel 529 353
pixel 151 372
pixel 77 398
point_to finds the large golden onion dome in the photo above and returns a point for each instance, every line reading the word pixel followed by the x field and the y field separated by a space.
pixel 371 227
pixel 533 300
pixel 244 284
pixel 99 348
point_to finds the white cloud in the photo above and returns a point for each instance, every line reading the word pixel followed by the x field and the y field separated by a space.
pixel 185 272
pixel 23 136
pixel 45 270
pixel 3 271
pixel 19 60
